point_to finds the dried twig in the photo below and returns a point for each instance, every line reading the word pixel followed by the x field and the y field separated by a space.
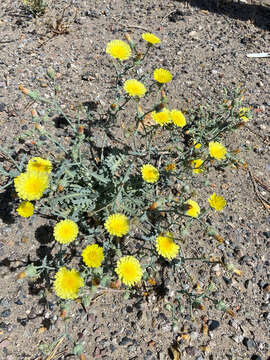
pixel 51 355
pixel 262 200
pixel 265 139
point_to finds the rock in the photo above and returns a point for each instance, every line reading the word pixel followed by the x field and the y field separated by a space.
pixel 266 315
pixel 255 357
pixel 212 325
pixel 2 106
pixel 92 14
pixel 238 338
pixel 5 313
pixel 125 341
pixel 249 343
pixel 266 234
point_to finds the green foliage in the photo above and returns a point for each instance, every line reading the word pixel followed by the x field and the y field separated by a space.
pixel 35 7
pixel 89 182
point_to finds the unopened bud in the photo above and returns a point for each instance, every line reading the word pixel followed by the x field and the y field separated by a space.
pixel 160 106
pixel 21 275
pixel 138 56
pixel 51 73
pixel 129 40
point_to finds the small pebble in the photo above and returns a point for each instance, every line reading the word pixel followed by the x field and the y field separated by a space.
pixel 255 357
pixel 5 313
pixel 126 340
pixel 2 106
pixel 249 343
pixel 212 325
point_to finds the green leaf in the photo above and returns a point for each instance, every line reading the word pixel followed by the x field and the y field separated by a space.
pixel 78 349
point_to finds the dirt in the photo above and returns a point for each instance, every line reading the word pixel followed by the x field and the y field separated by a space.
pixel 205 46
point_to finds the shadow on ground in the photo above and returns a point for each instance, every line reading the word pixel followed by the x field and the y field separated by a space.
pixel 258 14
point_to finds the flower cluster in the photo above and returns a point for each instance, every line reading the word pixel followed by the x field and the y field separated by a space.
pixel 31 184
pixel 145 185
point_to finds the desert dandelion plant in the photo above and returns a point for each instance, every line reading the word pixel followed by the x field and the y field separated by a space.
pixel 166 247
pixel 65 231
pixel 162 117
pixel 217 202
pixel 162 76
pixel 40 165
pixel 67 283
pixel 117 225
pixel 193 208
pixel 129 270
pixel 134 88
pixel 93 255
pixel 31 185
pixel 150 174
pixel 178 118
pixel 25 209
pixel 151 38
pixel 197 166
pixel 118 49
pixel 217 150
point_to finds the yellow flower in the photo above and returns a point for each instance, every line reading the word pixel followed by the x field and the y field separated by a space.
pixel 67 283
pixel 117 225
pixel 39 164
pixel 217 150
pixel 162 76
pixel 134 88
pixel 31 185
pixel 170 167
pixel 129 270
pixel 178 118
pixel 166 247
pixel 151 38
pixel 197 145
pixel 25 209
pixel 243 112
pixel 162 117
pixel 150 174
pixel 217 202
pixel 193 208
pixel 197 169
pixel 65 231
pixel 118 49
pixel 93 255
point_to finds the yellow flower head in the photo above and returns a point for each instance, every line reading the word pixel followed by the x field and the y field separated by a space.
pixel 178 118
pixel 150 174
pixel 217 202
pixel 162 76
pixel 193 208
pixel 31 185
pixel 39 164
pixel 196 164
pixel 243 114
pixel 25 209
pixel 118 49
pixel 65 231
pixel 67 283
pixel 166 247
pixel 134 88
pixel 197 145
pixel 129 270
pixel 93 255
pixel 217 150
pixel 151 38
pixel 162 117
pixel 117 225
